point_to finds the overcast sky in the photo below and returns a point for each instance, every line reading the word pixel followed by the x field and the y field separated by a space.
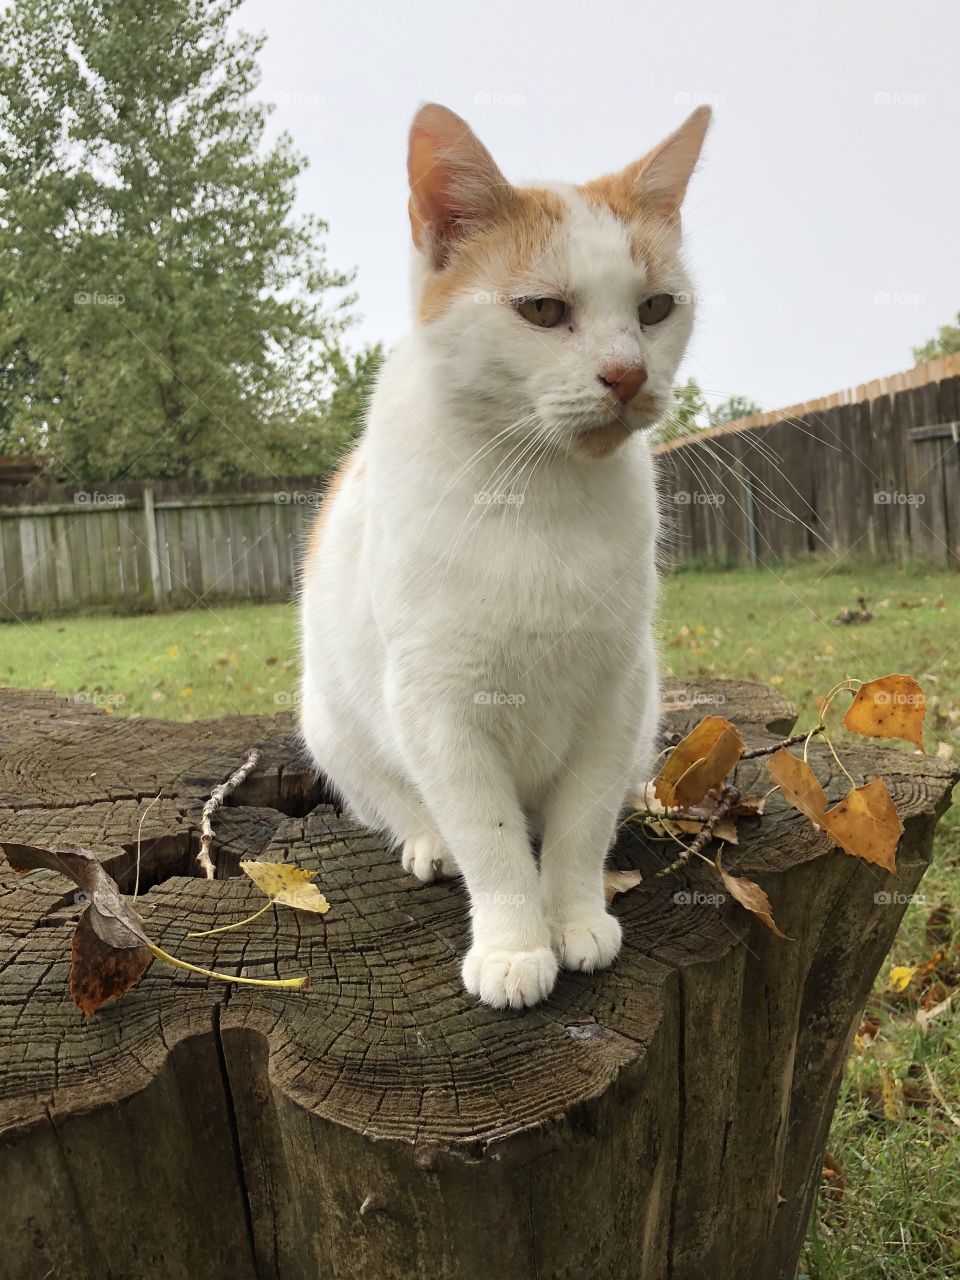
pixel 823 226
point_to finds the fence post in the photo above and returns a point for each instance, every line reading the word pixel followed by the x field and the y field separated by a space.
pixel 153 546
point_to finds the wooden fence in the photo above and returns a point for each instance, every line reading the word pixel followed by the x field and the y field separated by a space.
pixel 874 470
pixel 146 546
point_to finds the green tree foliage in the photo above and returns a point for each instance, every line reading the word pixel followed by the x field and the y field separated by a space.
pixel 163 311
pixel 733 408
pixel 945 343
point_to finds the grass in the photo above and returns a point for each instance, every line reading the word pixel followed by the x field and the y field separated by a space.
pixel 891 1206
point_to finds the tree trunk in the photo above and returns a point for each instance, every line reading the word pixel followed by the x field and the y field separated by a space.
pixel 663 1119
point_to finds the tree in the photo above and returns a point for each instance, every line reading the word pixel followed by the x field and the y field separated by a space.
pixel 688 415
pixel 732 409
pixel 945 343
pixel 173 314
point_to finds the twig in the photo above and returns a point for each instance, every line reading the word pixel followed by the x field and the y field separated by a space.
pixel 217 797
pixel 784 742
pixel 938 1094
pixel 729 798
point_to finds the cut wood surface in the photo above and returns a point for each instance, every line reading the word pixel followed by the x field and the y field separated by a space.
pixel 663 1119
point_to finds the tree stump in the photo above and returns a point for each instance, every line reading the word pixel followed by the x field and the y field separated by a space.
pixel 664 1118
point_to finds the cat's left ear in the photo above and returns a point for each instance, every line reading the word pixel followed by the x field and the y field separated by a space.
pixel 455 186
pixel 660 179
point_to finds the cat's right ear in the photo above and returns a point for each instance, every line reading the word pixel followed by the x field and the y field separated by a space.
pixel 455 186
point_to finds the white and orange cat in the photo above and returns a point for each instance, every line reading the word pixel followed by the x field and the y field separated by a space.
pixel 479 666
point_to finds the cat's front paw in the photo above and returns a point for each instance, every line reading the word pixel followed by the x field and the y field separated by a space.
pixel 427 857
pixel 509 978
pixel 588 943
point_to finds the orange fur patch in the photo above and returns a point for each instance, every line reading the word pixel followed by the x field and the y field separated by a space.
pixel 351 466
pixel 496 256
pixel 617 192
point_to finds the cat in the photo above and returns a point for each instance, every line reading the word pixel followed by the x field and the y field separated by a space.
pixel 479 669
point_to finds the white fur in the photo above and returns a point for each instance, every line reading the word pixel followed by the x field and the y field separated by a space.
pixel 481 673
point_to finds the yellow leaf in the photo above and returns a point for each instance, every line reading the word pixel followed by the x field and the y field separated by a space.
pixel 866 824
pixel 699 762
pixel 287 885
pixel 185 692
pixel 891 707
pixel 174 651
pixel 751 896
pixel 900 976
pixel 798 783
pixel 615 882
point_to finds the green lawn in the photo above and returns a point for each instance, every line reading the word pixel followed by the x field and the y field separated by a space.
pixel 892 1206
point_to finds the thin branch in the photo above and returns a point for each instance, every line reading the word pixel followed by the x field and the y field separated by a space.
pixel 217 797
pixel 729 798
pixel 784 742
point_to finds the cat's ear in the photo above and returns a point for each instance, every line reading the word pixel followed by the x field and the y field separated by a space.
pixel 660 179
pixel 455 186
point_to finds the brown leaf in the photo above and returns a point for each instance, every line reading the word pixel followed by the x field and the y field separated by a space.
pixel 891 707
pixel 110 948
pixel 700 761
pixel 100 972
pixel 799 784
pixel 615 882
pixel 751 896
pixel 866 824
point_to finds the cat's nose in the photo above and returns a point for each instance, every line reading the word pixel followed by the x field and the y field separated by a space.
pixel 623 380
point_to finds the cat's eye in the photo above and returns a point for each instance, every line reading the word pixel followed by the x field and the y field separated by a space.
pixel 544 312
pixel 653 310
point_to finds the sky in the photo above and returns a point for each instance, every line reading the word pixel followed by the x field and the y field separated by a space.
pixel 822 227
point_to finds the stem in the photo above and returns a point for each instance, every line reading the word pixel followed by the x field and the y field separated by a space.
pixel 784 742
pixel 296 984
pixel 205 933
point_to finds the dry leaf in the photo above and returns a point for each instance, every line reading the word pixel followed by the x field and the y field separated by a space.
pixel 891 707
pixel 900 976
pixel 866 824
pixel 615 882
pixel 287 885
pixel 799 784
pixel 100 972
pixel 699 762
pixel 751 896
pixel 110 947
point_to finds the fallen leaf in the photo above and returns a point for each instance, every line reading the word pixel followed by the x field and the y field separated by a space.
pixel 799 784
pixel 110 948
pixel 891 707
pixel 900 976
pixel 751 896
pixel 866 824
pixel 287 885
pixel 698 762
pixel 616 882
pixel 100 972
